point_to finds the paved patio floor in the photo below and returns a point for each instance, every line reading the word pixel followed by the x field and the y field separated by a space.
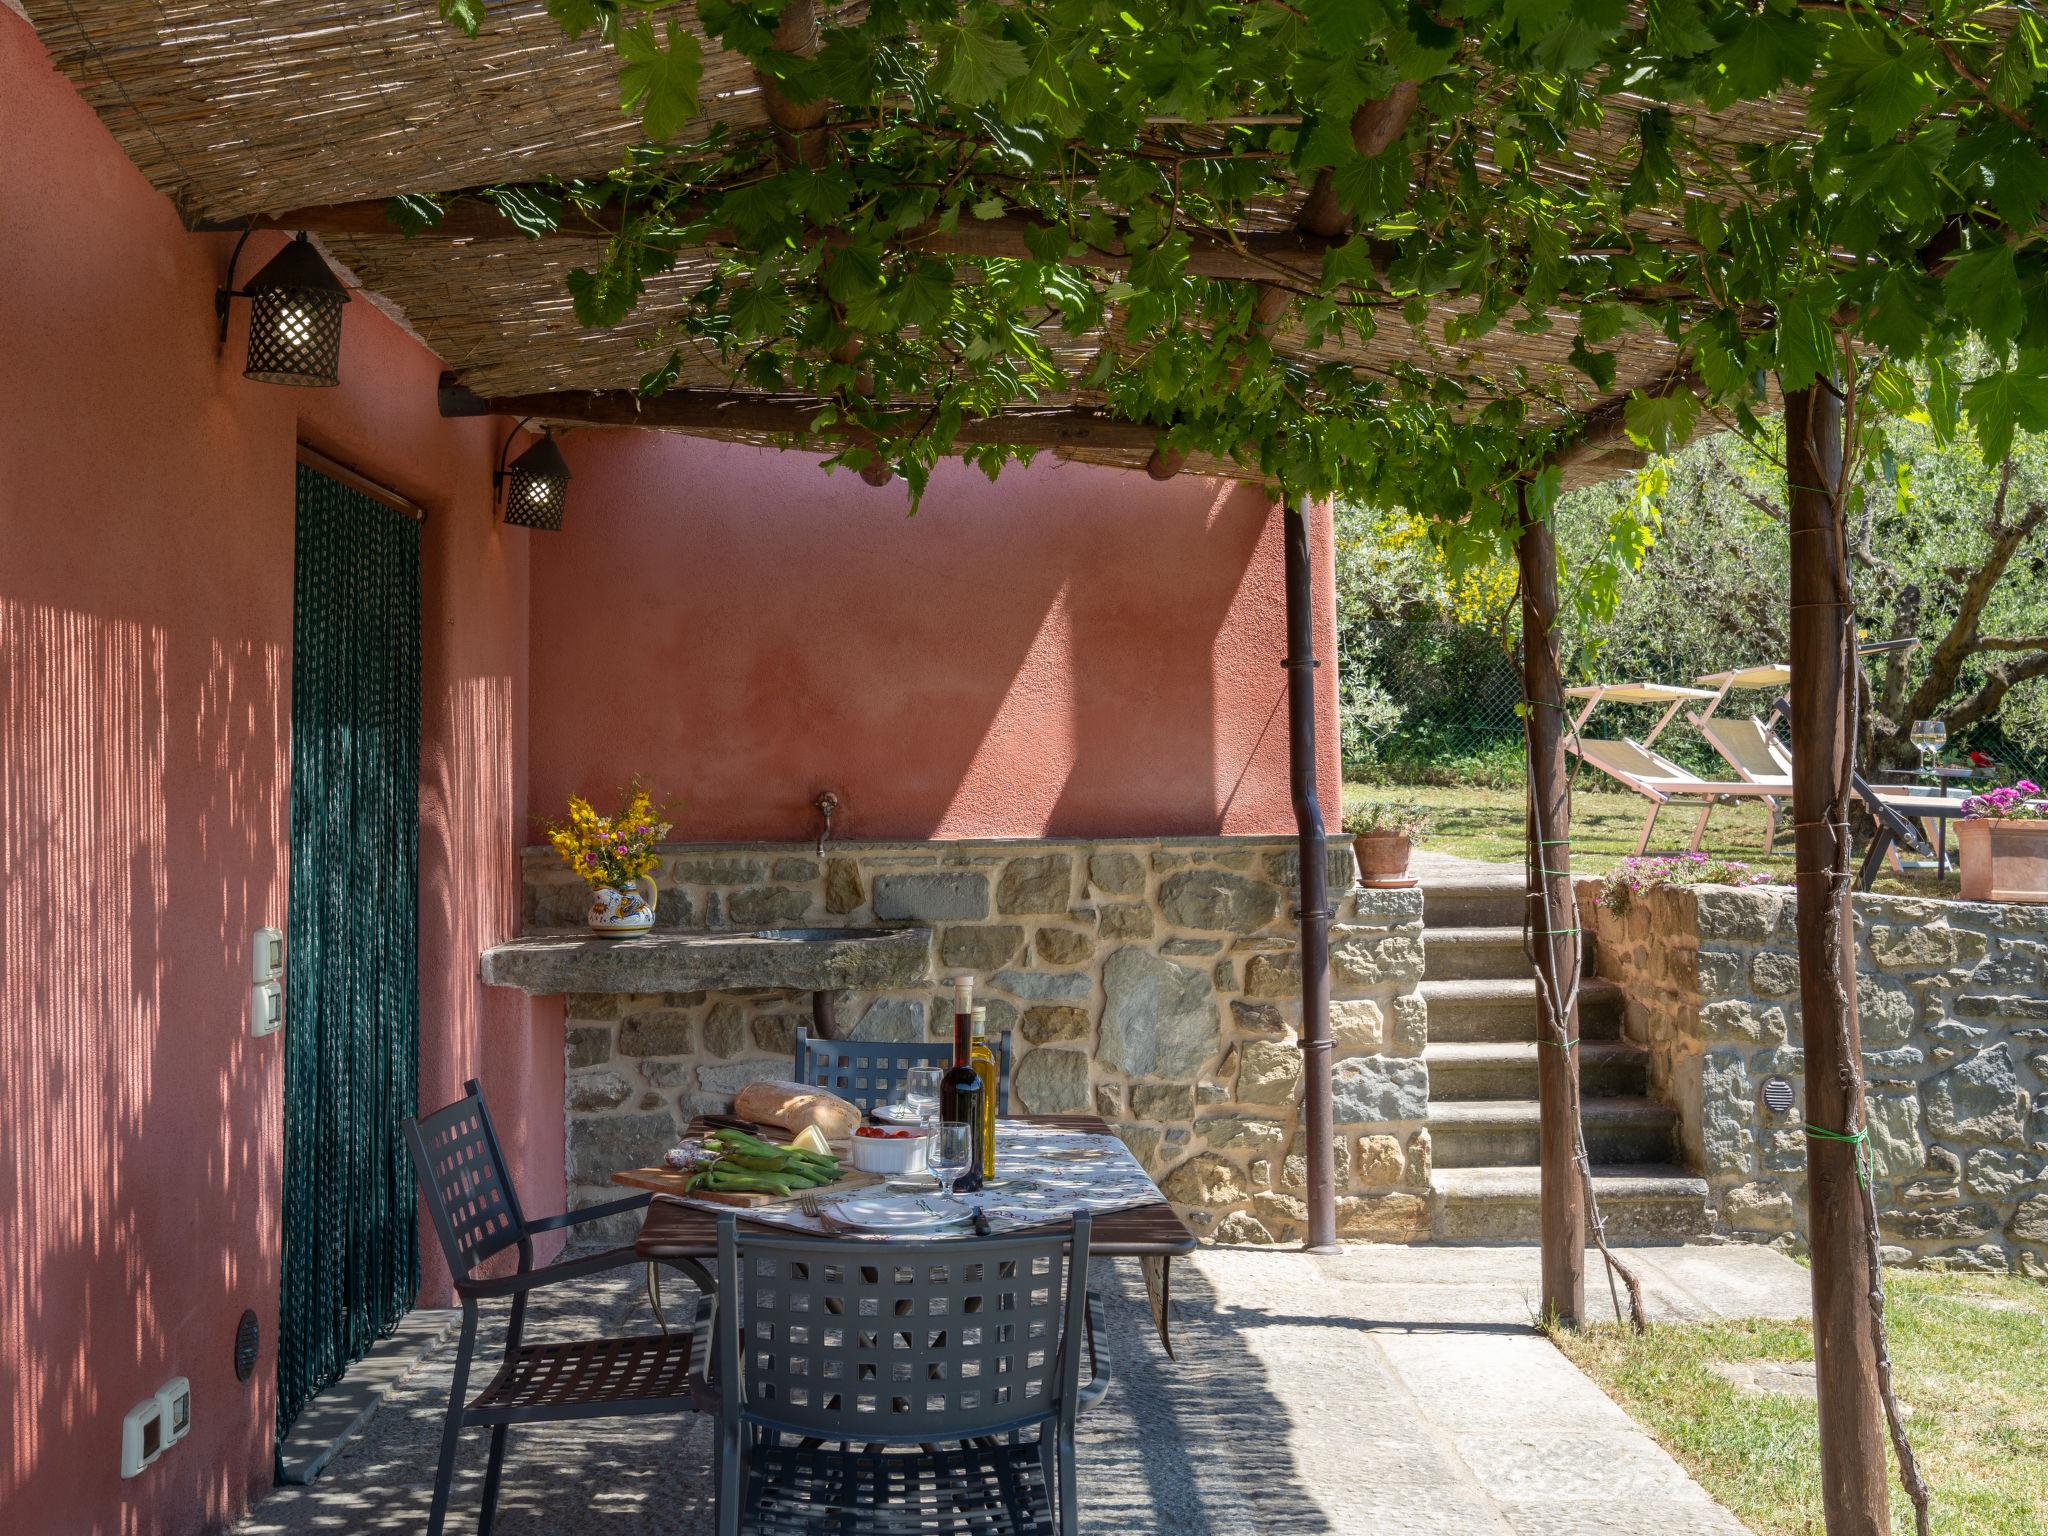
pixel 1383 1391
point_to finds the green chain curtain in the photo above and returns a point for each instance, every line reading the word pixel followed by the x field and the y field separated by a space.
pixel 351 1260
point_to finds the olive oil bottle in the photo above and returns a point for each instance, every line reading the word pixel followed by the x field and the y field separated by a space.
pixel 983 1057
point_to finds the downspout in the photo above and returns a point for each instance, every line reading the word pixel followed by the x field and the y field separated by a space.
pixel 1314 911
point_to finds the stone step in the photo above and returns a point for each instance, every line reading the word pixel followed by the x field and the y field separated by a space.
pixel 1473 903
pixel 1502 1133
pixel 1637 1202
pixel 1486 1069
pixel 1473 954
pixel 1505 1010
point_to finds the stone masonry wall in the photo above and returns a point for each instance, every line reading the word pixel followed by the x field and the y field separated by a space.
pixel 1156 983
pixel 1954 1014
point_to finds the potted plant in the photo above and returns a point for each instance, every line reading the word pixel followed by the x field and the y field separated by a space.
pixel 616 855
pixel 1382 836
pixel 2004 843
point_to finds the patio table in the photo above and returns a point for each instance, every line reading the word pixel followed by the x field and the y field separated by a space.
pixel 1151 1233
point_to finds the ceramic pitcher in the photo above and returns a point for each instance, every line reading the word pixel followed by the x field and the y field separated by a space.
pixel 617 914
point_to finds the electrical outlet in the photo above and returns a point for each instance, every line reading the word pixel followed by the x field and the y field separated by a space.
pixel 266 1007
pixel 174 1402
pixel 266 955
pixel 142 1436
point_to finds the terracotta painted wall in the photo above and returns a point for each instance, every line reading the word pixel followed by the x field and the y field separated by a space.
pixel 1074 651
pixel 146 507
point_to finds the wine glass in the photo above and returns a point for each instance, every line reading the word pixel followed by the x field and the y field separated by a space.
pixel 921 1093
pixel 1928 736
pixel 952 1152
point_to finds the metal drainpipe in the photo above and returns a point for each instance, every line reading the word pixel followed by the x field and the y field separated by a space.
pixel 1314 912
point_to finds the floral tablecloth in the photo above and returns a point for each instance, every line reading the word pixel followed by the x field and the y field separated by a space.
pixel 1044 1174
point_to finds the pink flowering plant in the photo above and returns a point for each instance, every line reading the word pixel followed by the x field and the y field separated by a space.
pixel 1621 885
pixel 2009 802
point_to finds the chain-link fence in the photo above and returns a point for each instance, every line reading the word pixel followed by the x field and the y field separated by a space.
pixel 1427 701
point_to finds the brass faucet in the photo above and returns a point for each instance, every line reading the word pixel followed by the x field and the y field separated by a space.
pixel 827 803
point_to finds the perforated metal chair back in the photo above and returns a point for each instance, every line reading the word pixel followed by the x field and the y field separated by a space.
pixel 900 1343
pixel 461 1171
pixel 870 1072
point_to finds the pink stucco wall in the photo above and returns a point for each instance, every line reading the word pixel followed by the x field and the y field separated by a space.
pixel 146 509
pixel 1073 651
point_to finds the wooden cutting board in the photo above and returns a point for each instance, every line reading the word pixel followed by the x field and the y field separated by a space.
pixel 667 1181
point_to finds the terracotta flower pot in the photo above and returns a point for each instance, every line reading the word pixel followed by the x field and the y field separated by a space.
pixel 2004 860
pixel 1382 859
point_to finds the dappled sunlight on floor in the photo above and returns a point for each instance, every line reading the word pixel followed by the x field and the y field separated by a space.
pixel 1382 1391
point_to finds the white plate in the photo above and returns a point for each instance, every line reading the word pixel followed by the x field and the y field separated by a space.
pixel 897 1114
pixel 898 1212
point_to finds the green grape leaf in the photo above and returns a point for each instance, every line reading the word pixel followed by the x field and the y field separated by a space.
pixel 1983 290
pixel 1660 423
pixel 2006 399
pixel 660 83
pixel 466 14
pixel 413 213
pixel 660 380
pixel 976 63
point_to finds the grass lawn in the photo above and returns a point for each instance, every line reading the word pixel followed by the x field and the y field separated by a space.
pixel 1971 1355
pixel 1487 824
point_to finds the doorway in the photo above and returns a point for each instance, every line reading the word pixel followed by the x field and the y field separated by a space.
pixel 351 1037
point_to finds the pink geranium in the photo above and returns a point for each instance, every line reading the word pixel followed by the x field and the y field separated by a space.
pixel 2009 802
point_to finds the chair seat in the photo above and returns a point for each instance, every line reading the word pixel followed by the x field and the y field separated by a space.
pixel 587 1378
pixel 979 1489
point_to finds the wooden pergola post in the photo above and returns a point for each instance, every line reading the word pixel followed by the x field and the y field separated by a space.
pixel 1562 1205
pixel 1314 911
pixel 1854 1490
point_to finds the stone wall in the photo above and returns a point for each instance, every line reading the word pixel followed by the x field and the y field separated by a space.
pixel 1156 983
pixel 1955 1031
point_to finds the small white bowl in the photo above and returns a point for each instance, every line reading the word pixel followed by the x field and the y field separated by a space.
pixel 890 1154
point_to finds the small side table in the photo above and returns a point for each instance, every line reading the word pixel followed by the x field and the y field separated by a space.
pixel 1938 779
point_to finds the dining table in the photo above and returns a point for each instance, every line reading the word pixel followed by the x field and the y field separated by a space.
pixel 1151 1232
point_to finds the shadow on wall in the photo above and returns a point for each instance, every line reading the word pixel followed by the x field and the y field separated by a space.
pixel 470 899
pixel 1072 651
pixel 131 1126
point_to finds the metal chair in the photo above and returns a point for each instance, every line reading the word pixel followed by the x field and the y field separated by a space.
pixel 909 1387
pixel 475 1210
pixel 870 1072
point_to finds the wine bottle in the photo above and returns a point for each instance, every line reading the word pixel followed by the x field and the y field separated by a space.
pixel 960 1091
pixel 982 1055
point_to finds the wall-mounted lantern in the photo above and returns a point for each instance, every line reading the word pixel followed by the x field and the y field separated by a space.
pixel 294 317
pixel 536 484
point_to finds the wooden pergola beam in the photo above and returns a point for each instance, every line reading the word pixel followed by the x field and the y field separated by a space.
pixel 1282 256
pixel 1322 219
pixel 720 412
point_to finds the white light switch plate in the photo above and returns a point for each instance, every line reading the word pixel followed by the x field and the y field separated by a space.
pixel 266 955
pixel 174 1402
pixel 266 1008
pixel 142 1436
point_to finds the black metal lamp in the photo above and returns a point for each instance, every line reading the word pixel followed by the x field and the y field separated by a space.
pixel 294 317
pixel 536 483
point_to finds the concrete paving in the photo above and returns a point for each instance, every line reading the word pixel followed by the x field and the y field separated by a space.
pixel 1381 1391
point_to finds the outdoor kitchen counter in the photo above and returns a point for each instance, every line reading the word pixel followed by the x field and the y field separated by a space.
pixel 793 959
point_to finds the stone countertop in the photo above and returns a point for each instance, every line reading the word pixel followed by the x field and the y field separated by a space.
pixel 796 959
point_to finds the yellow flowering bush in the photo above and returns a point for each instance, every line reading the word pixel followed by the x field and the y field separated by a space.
pixel 611 850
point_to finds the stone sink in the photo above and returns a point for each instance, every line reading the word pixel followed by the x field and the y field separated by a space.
pixel 790 959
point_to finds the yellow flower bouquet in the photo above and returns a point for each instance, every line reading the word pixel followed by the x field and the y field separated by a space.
pixel 611 850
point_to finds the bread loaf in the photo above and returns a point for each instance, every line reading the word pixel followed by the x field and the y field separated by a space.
pixel 796 1105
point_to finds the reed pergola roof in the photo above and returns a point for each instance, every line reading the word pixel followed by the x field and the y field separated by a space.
pixel 308 113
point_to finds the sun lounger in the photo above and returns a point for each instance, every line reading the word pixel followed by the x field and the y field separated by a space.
pixel 1660 781
pixel 1753 750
